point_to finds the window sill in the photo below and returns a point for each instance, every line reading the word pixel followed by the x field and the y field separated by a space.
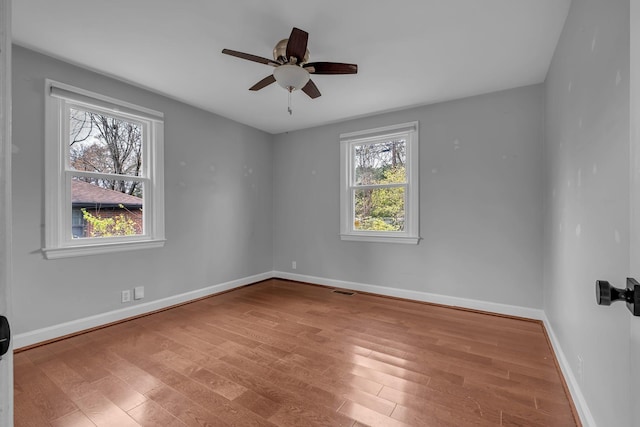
pixel 380 239
pixel 99 249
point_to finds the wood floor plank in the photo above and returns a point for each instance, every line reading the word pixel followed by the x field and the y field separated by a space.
pixel 435 416
pixel 74 419
pixel 27 413
pixel 137 378
pixel 368 416
pixel 184 408
pixel 375 403
pixel 199 391
pixel 43 393
pixel 260 405
pixel 89 368
pixel 295 416
pixel 220 385
pixel 104 413
pixel 557 408
pixel 150 414
pixel 68 380
pixel 289 354
pixel 119 392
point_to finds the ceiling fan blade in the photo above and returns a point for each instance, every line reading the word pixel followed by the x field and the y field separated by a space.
pixel 311 89
pixel 331 68
pixel 263 83
pixel 297 44
pixel 250 57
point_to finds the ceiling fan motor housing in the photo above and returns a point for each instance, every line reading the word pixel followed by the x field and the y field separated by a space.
pixel 280 52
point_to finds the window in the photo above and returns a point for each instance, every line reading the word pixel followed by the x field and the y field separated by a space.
pixel 379 182
pixel 103 171
pixel 78 224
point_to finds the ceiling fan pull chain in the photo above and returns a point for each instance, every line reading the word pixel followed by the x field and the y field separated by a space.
pixel 289 107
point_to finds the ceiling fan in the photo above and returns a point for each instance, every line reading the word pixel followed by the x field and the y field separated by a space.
pixel 292 69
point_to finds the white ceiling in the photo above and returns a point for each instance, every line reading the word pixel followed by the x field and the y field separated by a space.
pixel 409 52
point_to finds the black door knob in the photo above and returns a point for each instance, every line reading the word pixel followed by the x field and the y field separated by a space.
pixel 606 294
pixel 5 335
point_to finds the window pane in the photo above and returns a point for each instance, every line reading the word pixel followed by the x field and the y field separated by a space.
pixel 101 143
pixel 98 210
pixel 380 163
pixel 379 209
pixel 77 223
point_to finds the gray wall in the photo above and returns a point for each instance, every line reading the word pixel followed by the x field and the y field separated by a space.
pixel 480 202
pixel 218 177
pixel 587 199
pixel 240 202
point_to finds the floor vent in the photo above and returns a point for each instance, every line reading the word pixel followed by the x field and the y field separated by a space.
pixel 337 291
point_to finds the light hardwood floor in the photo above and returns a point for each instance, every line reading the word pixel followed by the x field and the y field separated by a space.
pixel 290 354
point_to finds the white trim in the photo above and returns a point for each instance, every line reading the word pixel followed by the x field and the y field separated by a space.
pixel 511 310
pixel 100 249
pixel 74 326
pixel 574 387
pixel 493 307
pixel 363 135
pixel 62 329
pixel 411 233
pixel 6 274
pixel 58 242
pixel 381 239
pixel 634 197
pixel 91 99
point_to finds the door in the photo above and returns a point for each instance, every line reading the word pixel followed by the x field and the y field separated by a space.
pixel 634 339
pixel 6 364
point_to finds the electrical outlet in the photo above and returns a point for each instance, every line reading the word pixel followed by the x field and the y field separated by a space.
pixel 293 265
pixel 126 295
pixel 138 292
pixel 580 368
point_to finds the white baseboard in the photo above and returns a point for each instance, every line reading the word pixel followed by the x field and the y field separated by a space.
pixel 510 310
pixel 74 326
pixel 574 387
pixel 67 328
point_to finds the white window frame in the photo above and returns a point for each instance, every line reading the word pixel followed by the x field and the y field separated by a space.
pixel 59 98
pixel 410 235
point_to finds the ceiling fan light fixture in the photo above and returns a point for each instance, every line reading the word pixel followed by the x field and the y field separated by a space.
pixel 291 77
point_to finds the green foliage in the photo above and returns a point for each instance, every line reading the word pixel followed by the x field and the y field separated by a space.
pixel 389 202
pixel 374 224
pixel 382 209
pixel 118 225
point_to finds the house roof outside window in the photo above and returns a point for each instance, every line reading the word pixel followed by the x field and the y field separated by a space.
pixel 84 194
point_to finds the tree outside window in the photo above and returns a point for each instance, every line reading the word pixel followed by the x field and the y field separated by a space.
pixel 104 174
pixel 379 200
pixel 106 145
pixel 381 165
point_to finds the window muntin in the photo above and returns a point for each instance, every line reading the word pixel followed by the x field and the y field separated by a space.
pixel 103 174
pixel 379 179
